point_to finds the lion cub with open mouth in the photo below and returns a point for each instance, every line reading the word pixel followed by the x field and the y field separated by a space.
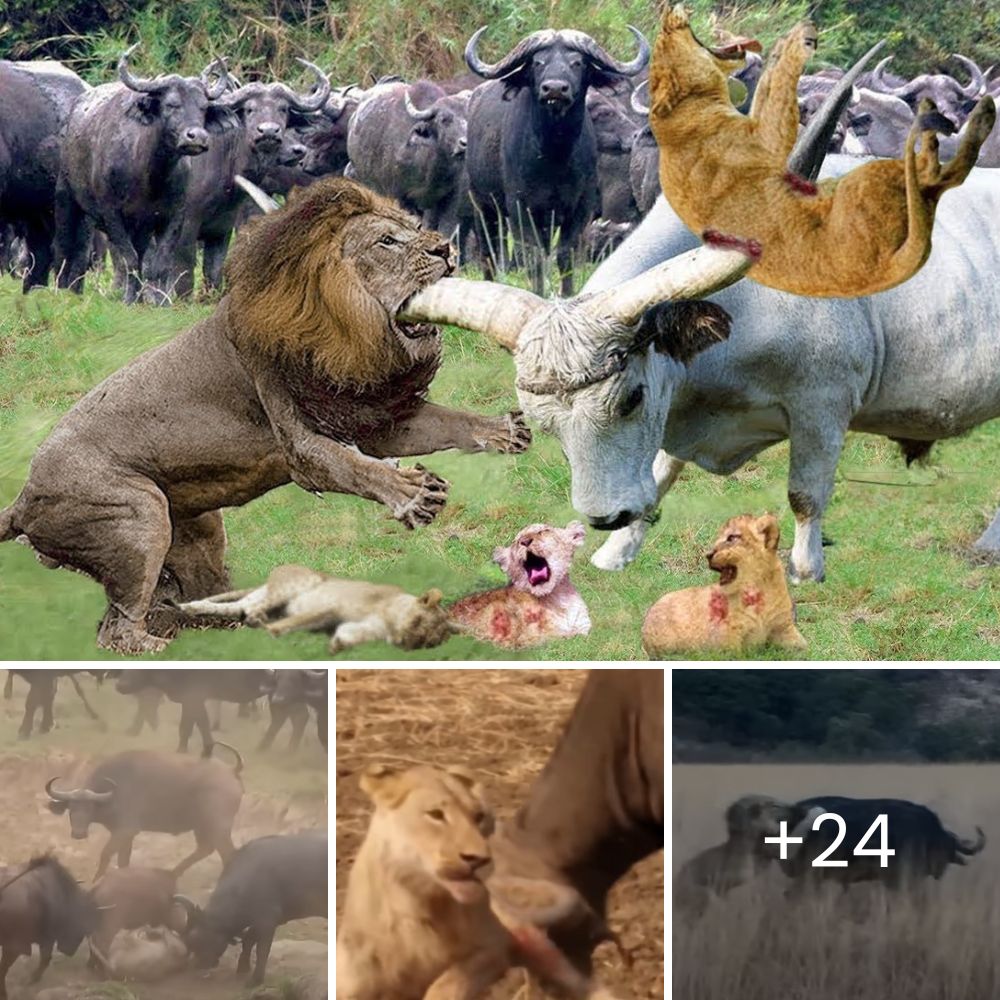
pixel 749 606
pixel 420 920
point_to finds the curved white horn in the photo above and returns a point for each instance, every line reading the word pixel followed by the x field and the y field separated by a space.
pixel 691 275
pixel 260 197
pixel 500 311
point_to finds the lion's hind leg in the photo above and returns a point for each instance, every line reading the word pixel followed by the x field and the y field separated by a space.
pixel 231 605
pixel 977 129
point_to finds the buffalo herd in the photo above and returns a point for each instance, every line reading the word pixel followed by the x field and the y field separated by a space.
pixel 548 145
pixel 137 922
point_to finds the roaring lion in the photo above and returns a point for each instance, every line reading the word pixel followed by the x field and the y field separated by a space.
pixel 420 921
pixel 351 611
pixel 748 607
pixel 304 373
pixel 720 170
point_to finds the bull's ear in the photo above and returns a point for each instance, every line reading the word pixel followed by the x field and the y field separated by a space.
pixel 219 119
pixel 58 807
pixel 685 329
pixel 144 108
pixel 767 525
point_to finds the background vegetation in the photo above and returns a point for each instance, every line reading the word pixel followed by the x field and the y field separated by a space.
pixel 354 38
pixel 901 584
pixel 842 714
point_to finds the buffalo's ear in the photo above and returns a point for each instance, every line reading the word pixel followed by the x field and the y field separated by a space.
pixel 685 329
pixel 58 807
pixel 513 83
pixel 608 79
pixel 219 119
pixel 144 108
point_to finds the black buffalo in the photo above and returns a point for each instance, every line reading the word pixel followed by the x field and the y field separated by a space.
pixel 125 167
pixel 615 124
pixel 532 155
pixel 326 139
pixel 407 141
pixel 290 696
pixel 267 883
pixel 924 848
pixel 42 686
pixel 35 101
pixel 41 903
pixel 264 112
pixel 192 688
pixel 146 790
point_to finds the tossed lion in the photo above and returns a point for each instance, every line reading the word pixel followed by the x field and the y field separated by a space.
pixel 722 171
pixel 304 373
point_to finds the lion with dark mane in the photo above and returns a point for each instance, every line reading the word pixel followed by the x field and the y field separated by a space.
pixel 304 373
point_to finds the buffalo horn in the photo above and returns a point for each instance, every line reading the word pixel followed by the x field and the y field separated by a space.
pixel 142 84
pixel 977 85
pixel 213 91
pixel 807 156
pixel 312 101
pixel 78 794
pixel 500 311
pixel 421 114
pixel 590 48
pixel 260 197
pixel 691 275
pixel 879 83
pixel 972 846
pixel 191 909
pixel 635 102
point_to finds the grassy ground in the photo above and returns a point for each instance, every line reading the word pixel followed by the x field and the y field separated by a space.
pixel 757 944
pixel 900 582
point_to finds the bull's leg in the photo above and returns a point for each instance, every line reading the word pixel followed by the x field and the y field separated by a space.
pixel 815 451
pixel 30 707
pixel 44 958
pixel 46 701
pixel 38 238
pixel 8 956
pixel 247 941
pixel 202 850
pixel 623 545
pixel 279 715
pixel 299 714
pixel 213 259
pixel 74 231
pixel 125 850
pixel 321 726
pixel 147 704
pixel 437 428
pixel 265 936
pixel 111 847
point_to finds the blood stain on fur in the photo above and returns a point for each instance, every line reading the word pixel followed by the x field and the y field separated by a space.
pixel 718 607
pixel 799 184
pixel 753 598
pixel 500 624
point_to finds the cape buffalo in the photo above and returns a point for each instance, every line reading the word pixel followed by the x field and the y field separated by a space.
pixel 615 124
pixel 192 688
pixel 290 695
pixel 952 99
pixel 532 154
pixel 41 903
pixel 267 883
pixel 35 101
pixel 326 138
pixel 42 686
pixel 146 790
pixel 125 167
pixel 595 810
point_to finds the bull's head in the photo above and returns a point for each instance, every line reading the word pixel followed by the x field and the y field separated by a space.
pixel 84 804
pixel 201 936
pixel 441 125
pixel 183 106
pixel 558 66
pixel 953 100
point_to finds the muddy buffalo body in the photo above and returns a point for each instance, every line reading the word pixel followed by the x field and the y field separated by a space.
pixel 148 791
pixel 291 693
pixel 596 809
pixel 41 904
pixel 42 687
pixel 192 688
pixel 268 882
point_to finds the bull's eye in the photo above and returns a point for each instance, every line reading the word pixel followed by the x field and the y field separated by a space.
pixel 632 401
pixel 436 814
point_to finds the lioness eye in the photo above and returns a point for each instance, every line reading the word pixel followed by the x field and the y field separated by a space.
pixel 436 814
pixel 632 401
pixel 732 538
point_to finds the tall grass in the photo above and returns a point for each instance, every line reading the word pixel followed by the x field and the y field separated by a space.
pixel 862 944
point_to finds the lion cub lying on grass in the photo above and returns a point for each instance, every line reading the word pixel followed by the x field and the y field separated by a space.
pixel 352 611
pixel 720 170
pixel 539 603
pixel 749 606
pixel 418 921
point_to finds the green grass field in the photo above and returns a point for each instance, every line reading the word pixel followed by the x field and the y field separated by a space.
pixel 901 584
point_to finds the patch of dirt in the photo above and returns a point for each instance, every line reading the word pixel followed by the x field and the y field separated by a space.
pixel 502 725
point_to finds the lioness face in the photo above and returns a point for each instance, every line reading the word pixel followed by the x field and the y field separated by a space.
pixel 743 540
pixel 423 622
pixel 437 824
pixel 395 258
pixel 703 64
pixel 540 557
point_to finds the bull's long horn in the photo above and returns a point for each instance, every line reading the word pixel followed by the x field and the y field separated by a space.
pixel 600 55
pixel 191 909
pixel 420 114
pixel 879 83
pixel 972 846
pixel 976 87
pixel 317 98
pixel 142 84
pixel 691 275
pixel 499 311
pixel 636 103
pixel 807 156
pixel 57 796
pixel 218 66
pixel 260 197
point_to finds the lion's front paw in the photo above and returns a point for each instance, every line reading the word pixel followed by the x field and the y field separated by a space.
pixel 805 37
pixel 512 435
pixel 675 17
pixel 425 495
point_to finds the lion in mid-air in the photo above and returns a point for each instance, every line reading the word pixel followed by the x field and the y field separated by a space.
pixel 350 611
pixel 749 606
pixel 723 171
pixel 422 919
pixel 304 373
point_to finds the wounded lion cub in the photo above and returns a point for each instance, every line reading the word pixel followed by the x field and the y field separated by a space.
pixel 539 603
pixel 352 611
pixel 418 922
pixel 720 170
pixel 749 606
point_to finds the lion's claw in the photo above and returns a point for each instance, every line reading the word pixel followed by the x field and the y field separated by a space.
pixel 425 502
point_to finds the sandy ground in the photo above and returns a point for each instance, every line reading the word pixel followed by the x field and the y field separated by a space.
pixel 502 725
pixel 938 943
pixel 284 793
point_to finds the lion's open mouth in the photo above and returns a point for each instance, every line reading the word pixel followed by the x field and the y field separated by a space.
pixel 727 574
pixel 537 568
